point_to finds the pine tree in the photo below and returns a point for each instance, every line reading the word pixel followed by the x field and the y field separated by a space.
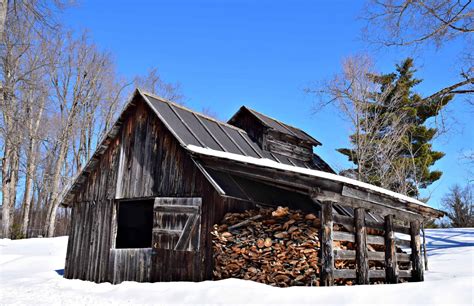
pixel 395 120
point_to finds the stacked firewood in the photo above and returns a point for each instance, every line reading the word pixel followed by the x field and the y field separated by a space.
pixel 277 247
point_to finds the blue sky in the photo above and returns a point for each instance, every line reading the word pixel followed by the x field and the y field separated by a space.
pixel 263 54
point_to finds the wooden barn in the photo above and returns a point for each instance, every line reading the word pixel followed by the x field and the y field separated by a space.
pixel 144 206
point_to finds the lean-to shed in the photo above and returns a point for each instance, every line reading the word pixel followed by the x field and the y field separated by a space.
pixel 144 205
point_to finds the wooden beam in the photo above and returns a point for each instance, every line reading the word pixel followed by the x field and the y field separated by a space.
pixel 348 222
pixel 417 265
pixel 375 256
pixel 326 241
pixel 391 274
pixel 383 210
pixel 362 262
pixel 390 201
pixel 307 182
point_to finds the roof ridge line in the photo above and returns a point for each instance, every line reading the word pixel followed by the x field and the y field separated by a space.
pixel 286 126
pixel 278 121
pixel 190 110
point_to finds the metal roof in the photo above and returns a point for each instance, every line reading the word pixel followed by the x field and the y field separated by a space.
pixel 193 128
pixel 189 128
pixel 277 125
pixel 248 189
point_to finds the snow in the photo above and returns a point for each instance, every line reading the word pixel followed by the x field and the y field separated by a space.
pixel 265 162
pixel 30 274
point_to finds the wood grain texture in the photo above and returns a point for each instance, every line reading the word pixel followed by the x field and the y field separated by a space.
pixel 326 239
pixel 151 164
pixel 130 265
pixel 391 266
pixel 417 264
pixel 362 256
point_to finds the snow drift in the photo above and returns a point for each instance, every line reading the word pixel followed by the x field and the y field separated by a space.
pixel 30 273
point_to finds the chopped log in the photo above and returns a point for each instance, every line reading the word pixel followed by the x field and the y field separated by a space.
pixel 417 265
pixel 362 263
pixel 276 249
pixel 245 222
pixel 282 249
pixel 326 238
pixel 390 252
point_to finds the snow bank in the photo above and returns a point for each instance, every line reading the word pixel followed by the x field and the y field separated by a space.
pixel 30 274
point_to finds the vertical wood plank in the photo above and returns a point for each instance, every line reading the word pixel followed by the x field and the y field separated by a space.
pixel 326 239
pixel 391 270
pixel 417 265
pixel 362 255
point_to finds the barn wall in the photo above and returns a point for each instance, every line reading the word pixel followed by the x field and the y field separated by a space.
pixel 145 160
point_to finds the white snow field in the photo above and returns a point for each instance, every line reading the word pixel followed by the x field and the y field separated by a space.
pixel 30 274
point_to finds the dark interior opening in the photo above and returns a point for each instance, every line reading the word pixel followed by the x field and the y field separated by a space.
pixel 134 224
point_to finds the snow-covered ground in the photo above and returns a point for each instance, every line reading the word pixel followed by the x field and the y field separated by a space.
pixel 30 274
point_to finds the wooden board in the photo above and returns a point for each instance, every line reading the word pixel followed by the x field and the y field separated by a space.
pixel 130 265
pixel 177 224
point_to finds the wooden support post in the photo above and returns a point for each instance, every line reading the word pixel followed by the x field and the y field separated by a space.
pixel 391 268
pixel 425 255
pixel 326 238
pixel 362 254
pixel 417 265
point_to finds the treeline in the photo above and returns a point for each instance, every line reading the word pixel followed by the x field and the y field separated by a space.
pixel 59 94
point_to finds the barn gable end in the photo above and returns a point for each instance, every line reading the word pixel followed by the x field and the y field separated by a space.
pixel 143 160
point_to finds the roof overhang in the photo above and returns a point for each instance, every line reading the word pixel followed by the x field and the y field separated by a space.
pixel 319 185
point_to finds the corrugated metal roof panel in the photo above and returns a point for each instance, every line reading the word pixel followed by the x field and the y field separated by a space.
pixel 197 128
pixel 174 123
pixel 242 141
pixel 247 189
pixel 227 183
pixel 283 127
pixel 224 140
pixel 192 128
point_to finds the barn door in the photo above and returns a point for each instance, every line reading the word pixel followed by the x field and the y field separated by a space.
pixel 177 224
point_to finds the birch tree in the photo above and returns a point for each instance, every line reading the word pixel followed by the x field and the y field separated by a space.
pixel 76 80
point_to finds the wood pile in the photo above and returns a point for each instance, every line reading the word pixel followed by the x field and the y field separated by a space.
pixel 277 247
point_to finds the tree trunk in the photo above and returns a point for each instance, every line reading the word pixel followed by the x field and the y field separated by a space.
pixel 3 15
pixel 50 221
pixel 9 183
pixel 30 170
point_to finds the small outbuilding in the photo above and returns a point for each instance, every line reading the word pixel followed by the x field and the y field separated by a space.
pixel 144 206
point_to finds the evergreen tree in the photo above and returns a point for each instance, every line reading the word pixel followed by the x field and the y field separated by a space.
pixel 395 119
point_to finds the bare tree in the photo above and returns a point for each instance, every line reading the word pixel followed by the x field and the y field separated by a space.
pixel 459 206
pixel 352 93
pixel 59 95
pixel 77 78
pixel 15 45
pixel 387 120
pixel 3 15
pixel 153 83
pixel 418 23
pixel 35 99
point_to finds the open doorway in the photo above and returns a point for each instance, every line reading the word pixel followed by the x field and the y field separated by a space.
pixel 134 224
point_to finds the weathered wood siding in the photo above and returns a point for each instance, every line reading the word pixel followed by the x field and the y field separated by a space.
pixel 91 221
pixel 130 265
pixel 144 160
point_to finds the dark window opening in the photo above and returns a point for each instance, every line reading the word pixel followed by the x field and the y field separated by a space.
pixel 134 224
